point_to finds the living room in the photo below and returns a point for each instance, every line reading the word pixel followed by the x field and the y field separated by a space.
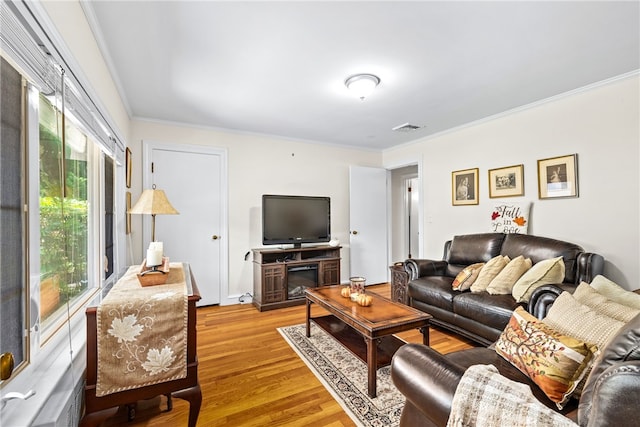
pixel 599 122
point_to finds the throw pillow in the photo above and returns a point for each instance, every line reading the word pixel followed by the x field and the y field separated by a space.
pixel 466 277
pixel 554 361
pixel 572 318
pixel 588 296
pixel 489 271
pixel 542 273
pixel 504 281
pixel 615 292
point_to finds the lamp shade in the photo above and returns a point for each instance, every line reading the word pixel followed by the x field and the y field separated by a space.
pixel 153 202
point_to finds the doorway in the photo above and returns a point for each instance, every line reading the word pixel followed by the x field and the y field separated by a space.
pixel 194 180
pixel 405 213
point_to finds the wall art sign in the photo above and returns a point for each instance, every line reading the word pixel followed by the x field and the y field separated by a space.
pixel 510 218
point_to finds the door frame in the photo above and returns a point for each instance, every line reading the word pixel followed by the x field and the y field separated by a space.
pixel 147 147
pixel 398 165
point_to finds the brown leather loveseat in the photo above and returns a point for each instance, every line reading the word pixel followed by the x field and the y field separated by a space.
pixel 481 316
pixel 429 380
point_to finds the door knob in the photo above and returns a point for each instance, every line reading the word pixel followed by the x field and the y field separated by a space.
pixel 215 237
pixel 354 232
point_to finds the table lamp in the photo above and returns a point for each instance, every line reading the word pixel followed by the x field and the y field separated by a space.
pixel 153 202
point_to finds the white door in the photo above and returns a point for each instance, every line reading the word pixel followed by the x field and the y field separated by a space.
pixel 368 223
pixel 193 180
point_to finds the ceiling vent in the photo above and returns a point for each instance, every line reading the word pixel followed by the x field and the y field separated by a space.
pixel 407 127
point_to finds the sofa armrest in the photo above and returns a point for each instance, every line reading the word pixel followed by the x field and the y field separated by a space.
pixel 589 266
pixel 427 379
pixel 543 297
pixel 424 267
pixel 615 397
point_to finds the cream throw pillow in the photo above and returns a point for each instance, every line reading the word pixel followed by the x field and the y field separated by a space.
pixel 504 281
pixel 466 277
pixel 587 295
pixel 545 272
pixel 489 271
pixel 581 321
pixel 615 292
pixel 572 318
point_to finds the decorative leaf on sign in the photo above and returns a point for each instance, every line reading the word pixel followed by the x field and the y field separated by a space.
pixel 520 221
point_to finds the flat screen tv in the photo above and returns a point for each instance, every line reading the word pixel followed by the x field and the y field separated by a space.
pixel 295 219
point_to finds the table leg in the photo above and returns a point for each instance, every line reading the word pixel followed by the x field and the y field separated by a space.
pixel 425 334
pixel 372 366
pixel 308 318
pixel 193 395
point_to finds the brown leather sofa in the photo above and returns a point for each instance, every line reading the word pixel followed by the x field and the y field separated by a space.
pixel 429 379
pixel 481 316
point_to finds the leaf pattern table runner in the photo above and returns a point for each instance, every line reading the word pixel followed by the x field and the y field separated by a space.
pixel 142 332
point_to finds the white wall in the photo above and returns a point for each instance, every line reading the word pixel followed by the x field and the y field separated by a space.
pixel 601 125
pixel 260 165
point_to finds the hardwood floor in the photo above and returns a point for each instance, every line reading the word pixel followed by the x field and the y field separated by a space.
pixel 251 377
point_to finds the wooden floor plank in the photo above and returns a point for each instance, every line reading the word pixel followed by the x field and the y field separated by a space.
pixel 250 376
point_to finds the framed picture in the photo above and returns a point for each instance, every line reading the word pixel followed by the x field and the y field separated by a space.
pixel 506 182
pixel 464 187
pixel 128 202
pixel 128 167
pixel 558 177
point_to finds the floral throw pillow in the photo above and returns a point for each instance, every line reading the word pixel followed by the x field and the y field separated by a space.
pixel 466 277
pixel 555 362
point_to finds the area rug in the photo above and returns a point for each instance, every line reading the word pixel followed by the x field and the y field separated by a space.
pixel 345 377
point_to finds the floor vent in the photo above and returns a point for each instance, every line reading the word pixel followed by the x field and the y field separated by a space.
pixel 407 127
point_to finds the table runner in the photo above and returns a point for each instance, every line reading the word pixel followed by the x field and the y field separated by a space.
pixel 142 333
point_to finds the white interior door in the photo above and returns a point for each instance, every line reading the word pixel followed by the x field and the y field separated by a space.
pixel 368 223
pixel 192 179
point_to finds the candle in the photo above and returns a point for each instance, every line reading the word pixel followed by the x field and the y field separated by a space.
pixel 154 257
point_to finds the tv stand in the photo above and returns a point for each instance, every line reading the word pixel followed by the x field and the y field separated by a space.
pixel 280 275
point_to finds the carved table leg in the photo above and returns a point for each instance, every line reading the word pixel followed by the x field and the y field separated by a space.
pixel 425 334
pixel 372 365
pixel 192 395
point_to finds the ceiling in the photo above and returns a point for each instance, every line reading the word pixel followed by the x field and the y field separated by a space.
pixel 278 68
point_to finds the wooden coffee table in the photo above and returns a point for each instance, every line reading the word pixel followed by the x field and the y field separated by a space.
pixel 349 323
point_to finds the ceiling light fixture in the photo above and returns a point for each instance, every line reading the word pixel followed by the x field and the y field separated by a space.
pixel 362 84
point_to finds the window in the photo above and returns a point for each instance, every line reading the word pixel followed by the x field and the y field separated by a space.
pixel 12 259
pixel 65 220
pixel 61 218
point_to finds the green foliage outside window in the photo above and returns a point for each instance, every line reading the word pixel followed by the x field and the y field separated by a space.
pixel 64 220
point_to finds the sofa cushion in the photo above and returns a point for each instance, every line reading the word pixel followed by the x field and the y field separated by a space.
pixel 504 281
pixel 488 272
pixel 545 272
pixel 588 296
pixel 472 248
pixel 540 248
pixel 490 310
pixel 466 277
pixel 555 362
pixel 615 292
pixel 433 290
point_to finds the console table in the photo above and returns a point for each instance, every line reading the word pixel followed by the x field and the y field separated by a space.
pixel 99 408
